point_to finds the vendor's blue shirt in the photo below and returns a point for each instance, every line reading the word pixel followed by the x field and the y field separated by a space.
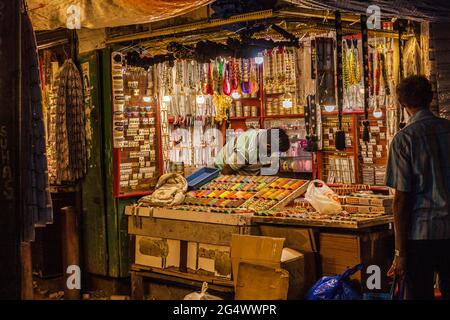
pixel 419 163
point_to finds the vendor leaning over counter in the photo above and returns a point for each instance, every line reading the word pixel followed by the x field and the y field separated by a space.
pixel 251 151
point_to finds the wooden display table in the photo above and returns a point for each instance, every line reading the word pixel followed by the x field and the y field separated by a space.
pixel 184 244
pixel 340 246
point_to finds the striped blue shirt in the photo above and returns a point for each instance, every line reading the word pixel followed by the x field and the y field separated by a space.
pixel 419 163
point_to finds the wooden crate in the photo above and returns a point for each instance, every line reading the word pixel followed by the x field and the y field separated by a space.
pixel 341 251
pixel 201 227
pixel 199 242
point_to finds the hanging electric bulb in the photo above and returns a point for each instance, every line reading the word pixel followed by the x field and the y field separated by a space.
pixel 166 98
pixel 377 113
pixel 236 95
pixel 287 101
pixel 259 59
pixel 147 99
pixel 329 108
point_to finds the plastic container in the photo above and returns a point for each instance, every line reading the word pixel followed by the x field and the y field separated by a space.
pixel 201 177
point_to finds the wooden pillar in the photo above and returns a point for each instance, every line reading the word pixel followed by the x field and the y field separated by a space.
pixel 137 286
pixel 71 251
pixel 27 271
pixel 10 97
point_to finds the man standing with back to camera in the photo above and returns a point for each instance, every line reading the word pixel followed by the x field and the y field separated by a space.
pixel 419 171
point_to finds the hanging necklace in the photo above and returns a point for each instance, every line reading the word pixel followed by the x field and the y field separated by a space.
pixel 209 81
pixel 245 85
pixel 234 81
pixel 218 75
pixel 226 88
pixel 253 79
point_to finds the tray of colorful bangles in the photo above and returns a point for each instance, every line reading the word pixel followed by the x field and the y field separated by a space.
pixel 254 193
pixel 197 208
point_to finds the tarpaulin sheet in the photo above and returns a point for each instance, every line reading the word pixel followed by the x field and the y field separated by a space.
pixel 431 10
pixel 94 14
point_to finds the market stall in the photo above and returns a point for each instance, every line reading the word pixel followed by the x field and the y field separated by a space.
pixel 174 108
pixel 169 103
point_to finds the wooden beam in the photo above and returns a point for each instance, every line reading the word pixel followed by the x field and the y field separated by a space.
pixel 10 142
pixel 71 249
pixel 192 27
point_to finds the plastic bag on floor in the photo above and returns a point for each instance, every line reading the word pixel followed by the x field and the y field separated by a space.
pixel 203 295
pixel 323 199
pixel 336 287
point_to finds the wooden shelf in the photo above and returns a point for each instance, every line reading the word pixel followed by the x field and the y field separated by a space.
pixel 371 187
pixel 134 194
pixel 243 118
pixel 347 150
pixel 334 113
pixel 278 116
pixel 247 98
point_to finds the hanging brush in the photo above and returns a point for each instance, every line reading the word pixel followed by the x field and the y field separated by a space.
pixel 340 134
pixel 309 119
pixel 365 56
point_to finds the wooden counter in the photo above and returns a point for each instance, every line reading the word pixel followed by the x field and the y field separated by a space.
pixel 379 221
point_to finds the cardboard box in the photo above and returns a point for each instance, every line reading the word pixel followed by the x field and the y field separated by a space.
pixel 258 282
pixel 263 251
pixel 157 252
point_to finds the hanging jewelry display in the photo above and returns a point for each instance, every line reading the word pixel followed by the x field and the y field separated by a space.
pixel 304 70
pixel 227 79
pixel 280 82
pixel 351 72
pixel 137 151
pixel 245 84
pixel 325 71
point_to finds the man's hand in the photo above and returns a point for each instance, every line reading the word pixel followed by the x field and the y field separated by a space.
pixel 398 267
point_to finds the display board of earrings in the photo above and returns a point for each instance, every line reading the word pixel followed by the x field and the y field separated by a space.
pixel 373 154
pixel 337 167
pixel 135 128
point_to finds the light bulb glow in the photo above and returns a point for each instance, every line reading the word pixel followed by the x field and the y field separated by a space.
pixel 166 98
pixel 259 59
pixel 377 113
pixel 200 99
pixel 329 108
pixel 147 99
pixel 235 95
pixel 287 103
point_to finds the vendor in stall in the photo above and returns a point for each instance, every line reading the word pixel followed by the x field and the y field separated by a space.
pixel 253 150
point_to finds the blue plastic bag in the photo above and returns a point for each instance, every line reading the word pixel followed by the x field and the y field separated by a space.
pixel 335 288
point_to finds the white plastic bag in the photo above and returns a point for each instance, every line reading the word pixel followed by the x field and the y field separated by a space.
pixel 323 199
pixel 203 295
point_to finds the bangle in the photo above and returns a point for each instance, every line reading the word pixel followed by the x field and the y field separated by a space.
pixel 397 253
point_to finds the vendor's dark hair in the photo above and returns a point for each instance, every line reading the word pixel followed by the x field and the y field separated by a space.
pixel 284 144
pixel 415 92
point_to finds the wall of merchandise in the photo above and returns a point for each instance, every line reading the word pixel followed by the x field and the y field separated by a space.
pixel 186 106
